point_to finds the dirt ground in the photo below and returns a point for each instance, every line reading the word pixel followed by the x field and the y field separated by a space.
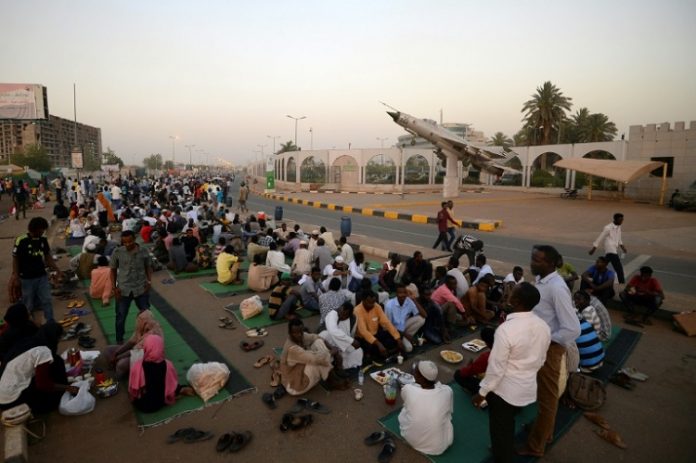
pixel 654 419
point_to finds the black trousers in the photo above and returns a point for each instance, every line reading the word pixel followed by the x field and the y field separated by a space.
pixel 501 425
pixel 444 239
pixel 387 341
pixel 468 383
pixel 618 268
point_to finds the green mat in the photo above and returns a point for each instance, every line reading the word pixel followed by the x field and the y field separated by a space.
pixel 74 250
pixel 189 275
pixel 263 319
pixel 219 290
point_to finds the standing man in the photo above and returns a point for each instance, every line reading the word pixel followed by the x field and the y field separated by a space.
pixel 30 257
pixel 556 309
pixel 450 229
pixel 116 196
pixel 131 278
pixel 243 195
pixel 19 196
pixel 443 218
pixel 610 238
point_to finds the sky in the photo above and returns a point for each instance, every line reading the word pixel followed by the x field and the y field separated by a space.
pixel 223 75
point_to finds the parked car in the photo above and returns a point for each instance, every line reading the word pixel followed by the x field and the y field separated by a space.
pixel 685 199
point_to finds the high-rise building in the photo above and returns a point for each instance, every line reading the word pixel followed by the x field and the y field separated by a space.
pixel 56 136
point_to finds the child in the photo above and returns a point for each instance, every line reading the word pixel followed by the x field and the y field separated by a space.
pixel 470 376
pixel 100 287
pixel 510 383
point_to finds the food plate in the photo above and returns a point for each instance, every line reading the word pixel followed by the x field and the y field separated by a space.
pixel 451 356
pixel 475 345
pixel 381 377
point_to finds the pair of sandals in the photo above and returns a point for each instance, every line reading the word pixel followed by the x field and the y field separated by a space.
pixel 80 329
pixel 76 304
pixel 605 431
pixel 226 323
pixel 266 359
pixel 189 436
pixel 249 346
pixel 388 448
pixel 308 404
pixel 257 333
pixel 68 321
pixel 86 342
pixel 233 442
pixel 295 422
pixel 270 398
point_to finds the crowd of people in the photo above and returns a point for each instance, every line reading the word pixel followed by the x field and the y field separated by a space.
pixel 367 314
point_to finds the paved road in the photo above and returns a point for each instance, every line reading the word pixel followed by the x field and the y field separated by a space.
pixel 676 275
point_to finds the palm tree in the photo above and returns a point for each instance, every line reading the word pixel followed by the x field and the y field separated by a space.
pixel 598 127
pixel 288 146
pixel 500 139
pixel 546 110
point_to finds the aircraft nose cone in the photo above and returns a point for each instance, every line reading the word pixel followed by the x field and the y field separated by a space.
pixel 394 115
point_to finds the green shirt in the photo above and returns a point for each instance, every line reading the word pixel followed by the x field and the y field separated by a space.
pixel 131 270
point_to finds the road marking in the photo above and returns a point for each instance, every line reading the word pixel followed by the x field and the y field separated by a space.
pixel 635 264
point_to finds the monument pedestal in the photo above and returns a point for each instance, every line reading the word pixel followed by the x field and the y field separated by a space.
pixel 450 185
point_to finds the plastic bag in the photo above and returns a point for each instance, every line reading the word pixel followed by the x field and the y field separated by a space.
pixel 251 307
pixel 80 404
pixel 207 378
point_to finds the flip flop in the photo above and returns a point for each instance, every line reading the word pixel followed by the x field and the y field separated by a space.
pixel 634 374
pixel 269 400
pixel 179 434
pixel 264 360
pixel 239 441
pixel 227 325
pixel 309 405
pixel 275 378
pixel 224 442
pixel 248 347
pixel 279 392
pixel 257 332
pixel 72 303
pixel 597 419
pixel 387 451
pixel 286 422
pixel 612 437
pixel 197 436
pixel 621 380
pixel 375 438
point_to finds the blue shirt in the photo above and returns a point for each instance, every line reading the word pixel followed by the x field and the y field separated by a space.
pixel 598 278
pixel 589 346
pixel 398 314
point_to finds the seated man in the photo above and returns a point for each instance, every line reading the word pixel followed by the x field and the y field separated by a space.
pixel 302 262
pixel 377 336
pixel 435 328
pixel 227 266
pixel 346 250
pixel 100 284
pixel 425 421
pixel 589 313
pixel 292 245
pixel 453 270
pixel 568 273
pixel 598 280
pixel 387 275
pixel 321 256
pixel 511 280
pixel 643 289
pixel 254 248
pixel 282 302
pixel 589 346
pixel 340 332
pixel 261 277
pixel 418 270
pixel 405 315
pixel 330 300
pixel 474 301
pixel 329 240
pixel 190 243
pixel 452 309
pixel 470 376
pixel 178 261
pixel 305 360
pixel 276 259
pixel 311 289
pixel 480 269
pixel 339 270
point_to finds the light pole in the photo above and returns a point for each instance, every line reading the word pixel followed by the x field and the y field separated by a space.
pixel 174 139
pixel 256 163
pixel 274 140
pixel 296 119
pixel 381 141
pixel 311 139
pixel 190 157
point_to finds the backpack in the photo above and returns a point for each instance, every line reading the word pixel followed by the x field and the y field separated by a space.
pixel 587 392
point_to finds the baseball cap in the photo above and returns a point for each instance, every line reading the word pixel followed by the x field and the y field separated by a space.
pixel 428 369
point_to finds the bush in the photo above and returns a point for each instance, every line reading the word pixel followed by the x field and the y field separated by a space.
pixel 544 179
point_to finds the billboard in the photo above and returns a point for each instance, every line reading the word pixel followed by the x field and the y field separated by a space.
pixel 23 102
pixel 76 157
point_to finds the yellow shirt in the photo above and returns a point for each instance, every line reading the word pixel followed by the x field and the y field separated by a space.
pixel 223 264
pixel 369 323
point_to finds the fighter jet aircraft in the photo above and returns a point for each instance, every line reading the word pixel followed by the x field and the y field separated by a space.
pixel 482 158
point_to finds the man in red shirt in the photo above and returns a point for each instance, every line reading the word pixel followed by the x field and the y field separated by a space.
pixel 470 376
pixel 645 290
pixel 443 217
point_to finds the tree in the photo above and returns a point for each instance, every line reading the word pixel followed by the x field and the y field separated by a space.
pixel 288 146
pixel 546 111
pixel 111 158
pixel 35 157
pixel 599 128
pixel 500 139
pixel 168 165
pixel 153 161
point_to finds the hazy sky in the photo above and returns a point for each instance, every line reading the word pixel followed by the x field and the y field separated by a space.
pixel 223 74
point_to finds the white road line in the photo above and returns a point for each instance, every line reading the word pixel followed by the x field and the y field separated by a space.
pixel 635 264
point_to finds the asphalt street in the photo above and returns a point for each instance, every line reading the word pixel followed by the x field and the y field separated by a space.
pixel 676 275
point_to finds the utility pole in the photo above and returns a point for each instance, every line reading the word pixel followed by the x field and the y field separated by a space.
pixel 274 141
pixel 295 119
pixel 190 157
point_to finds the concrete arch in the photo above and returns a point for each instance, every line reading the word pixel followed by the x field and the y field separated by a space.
pixel 291 170
pixel 345 171
pixel 599 154
pixel 380 169
pixel 615 148
pixel 536 162
pixel 313 170
pixel 416 170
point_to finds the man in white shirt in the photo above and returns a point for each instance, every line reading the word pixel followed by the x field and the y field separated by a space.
pixel 425 421
pixel 302 262
pixel 610 238
pixel 329 240
pixel 556 309
pixel 482 267
pixel 340 333
pixel 517 355
pixel 192 213
pixel 276 259
pixel 116 196
pixel 346 250
pixel 453 270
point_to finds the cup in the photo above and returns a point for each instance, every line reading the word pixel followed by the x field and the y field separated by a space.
pixel 421 340
pixel 390 394
pixel 358 393
pixel 400 359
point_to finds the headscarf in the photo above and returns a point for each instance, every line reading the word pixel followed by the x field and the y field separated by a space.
pixel 145 323
pixel 153 352
pixel 19 326
pixel 48 335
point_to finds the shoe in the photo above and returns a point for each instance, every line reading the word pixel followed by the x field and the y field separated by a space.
pixel 224 442
pixel 387 451
pixel 375 438
pixel 239 441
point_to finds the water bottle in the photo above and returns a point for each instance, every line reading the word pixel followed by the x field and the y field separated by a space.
pixel 361 377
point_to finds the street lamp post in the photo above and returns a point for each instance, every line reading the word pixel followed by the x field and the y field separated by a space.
pixel 190 157
pixel 274 141
pixel 174 138
pixel 295 119
pixel 381 141
pixel 311 139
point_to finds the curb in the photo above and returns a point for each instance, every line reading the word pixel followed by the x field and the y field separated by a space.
pixel 475 224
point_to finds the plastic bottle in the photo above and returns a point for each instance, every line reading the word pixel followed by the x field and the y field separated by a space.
pixel 361 377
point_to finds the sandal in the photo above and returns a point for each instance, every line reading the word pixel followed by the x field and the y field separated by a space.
pixel 634 374
pixel 248 347
pixel 309 405
pixel 224 442
pixel 239 441
pixel 197 436
pixel 294 422
pixel 612 437
pixel 622 380
pixel 286 422
pixel 264 360
pixel 269 400
pixel 257 332
pixel 179 434
pixel 375 438
pixel 227 324
pixel 597 419
pixel 387 451
pixel 275 378
pixel 279 392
